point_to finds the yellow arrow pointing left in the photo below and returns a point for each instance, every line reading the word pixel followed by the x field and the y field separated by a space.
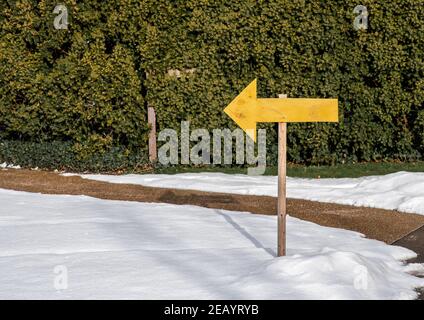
pixel 247 110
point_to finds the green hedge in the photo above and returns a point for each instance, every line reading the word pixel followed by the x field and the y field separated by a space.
pixel 60 155
pixel 87 86
pixel 304 49
pixel 81 85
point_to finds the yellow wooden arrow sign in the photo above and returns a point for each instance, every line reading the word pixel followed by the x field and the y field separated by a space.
pixel 247 110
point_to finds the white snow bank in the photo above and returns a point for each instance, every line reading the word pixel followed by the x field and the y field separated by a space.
pixel 4 165
pixel 106 249
pixel 402 191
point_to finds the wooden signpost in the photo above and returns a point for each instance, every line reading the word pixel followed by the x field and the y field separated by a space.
pixel 247 110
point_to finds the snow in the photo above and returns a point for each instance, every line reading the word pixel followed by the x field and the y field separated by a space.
pixel 77 247
pixel 5 165
pixel 402 191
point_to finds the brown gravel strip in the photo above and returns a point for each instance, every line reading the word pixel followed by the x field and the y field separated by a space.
pixel 385 225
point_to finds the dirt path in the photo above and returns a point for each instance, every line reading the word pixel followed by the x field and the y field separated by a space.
pixel 385 225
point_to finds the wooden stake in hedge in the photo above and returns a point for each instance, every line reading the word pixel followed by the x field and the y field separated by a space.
pixel 151 119
pixel 247 110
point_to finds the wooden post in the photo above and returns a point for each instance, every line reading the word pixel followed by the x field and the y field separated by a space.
pixel 282 171
pixel 151 119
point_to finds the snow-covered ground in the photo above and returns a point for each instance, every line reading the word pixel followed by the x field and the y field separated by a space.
pixel 80 247
pixel 403 191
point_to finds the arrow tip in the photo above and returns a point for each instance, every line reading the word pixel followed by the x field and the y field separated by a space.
pixel 240 110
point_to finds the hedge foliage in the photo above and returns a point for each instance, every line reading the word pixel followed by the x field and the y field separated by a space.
pixel 61 156
pixel 80 85
pixel 87 85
